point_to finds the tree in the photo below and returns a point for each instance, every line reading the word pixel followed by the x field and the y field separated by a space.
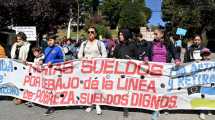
pixel 195 15
pixel 4 16
pixel 133 15
pixel 93 17
pixel 98 22
pixel 40 13
pixel 127 13
pixel 111 9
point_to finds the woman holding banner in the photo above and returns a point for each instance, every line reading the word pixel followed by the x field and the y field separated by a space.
pixel 20 51
pixel 161 50
pixel 196 52
pixel 125 50
pixel 193 51
pixel 92 48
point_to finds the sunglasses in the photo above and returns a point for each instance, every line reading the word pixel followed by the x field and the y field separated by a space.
pixel 92 32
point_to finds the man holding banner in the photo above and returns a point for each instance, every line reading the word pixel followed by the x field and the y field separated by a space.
pixel 92 48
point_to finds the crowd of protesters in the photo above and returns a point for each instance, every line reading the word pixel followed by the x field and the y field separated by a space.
pixel 161 49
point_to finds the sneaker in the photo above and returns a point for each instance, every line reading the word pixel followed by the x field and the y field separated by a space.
pixel 202 116
pixel 29 104
pixel 210 113
pixel 155 115
pixel 166 113
pixel 98 110
pixel 89 109
pixel 49 111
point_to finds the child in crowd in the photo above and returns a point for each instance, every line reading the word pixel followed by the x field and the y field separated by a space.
pixel 38 60
pixel 53 54
pixel 205 54
pixel 39 56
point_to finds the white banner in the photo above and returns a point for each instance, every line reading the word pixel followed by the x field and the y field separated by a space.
pixel 113 82
pixel 30 32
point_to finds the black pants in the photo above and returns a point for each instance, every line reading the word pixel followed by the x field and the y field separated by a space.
pixel 125 112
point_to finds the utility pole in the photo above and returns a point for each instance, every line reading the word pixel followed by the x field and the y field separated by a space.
pixel 77 38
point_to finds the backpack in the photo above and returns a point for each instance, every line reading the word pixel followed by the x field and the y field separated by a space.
pixel 98 44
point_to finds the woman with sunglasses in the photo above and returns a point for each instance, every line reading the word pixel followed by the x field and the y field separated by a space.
pixel 92 48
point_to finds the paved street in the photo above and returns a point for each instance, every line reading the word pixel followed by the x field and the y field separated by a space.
pixel 9 111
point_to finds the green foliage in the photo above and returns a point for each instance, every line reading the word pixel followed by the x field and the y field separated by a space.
pixel 111 9
pixel 101 30
pixel 126 13
pixel 99 23
pixel 46 14
pixel 90 6
pixel 196 16
pixel 132 15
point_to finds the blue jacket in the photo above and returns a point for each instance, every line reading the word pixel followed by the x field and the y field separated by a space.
pixel 53 54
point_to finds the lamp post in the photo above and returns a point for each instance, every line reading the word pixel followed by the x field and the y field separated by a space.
pixel 77 38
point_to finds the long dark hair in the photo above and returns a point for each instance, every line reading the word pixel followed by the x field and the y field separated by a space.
pixel 126 34
pixel 193 46
pixel 22 35
pixel 197 35
pixel 166 41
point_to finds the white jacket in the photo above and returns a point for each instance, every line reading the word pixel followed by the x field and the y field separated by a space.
pixel 23 52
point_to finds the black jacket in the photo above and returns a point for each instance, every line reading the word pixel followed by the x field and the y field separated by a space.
pixel 125 51
pixel 142 47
